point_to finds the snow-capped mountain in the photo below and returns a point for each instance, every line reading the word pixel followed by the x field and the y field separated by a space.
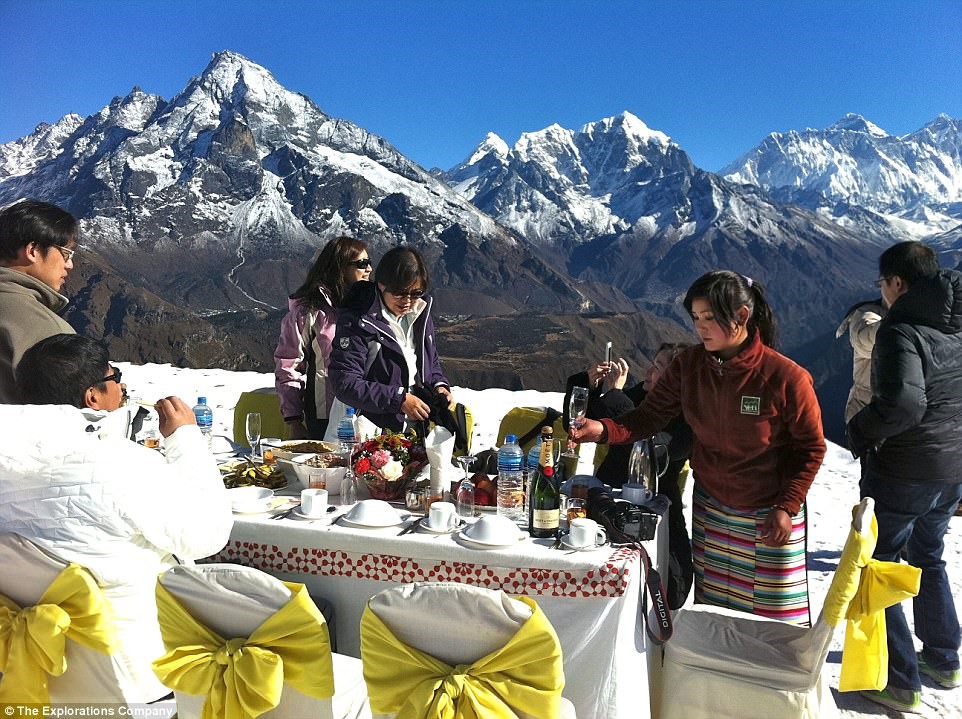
pixel 915 180
pixel 217 198
pixel 560 187
pixel 45 142
pixel 620 203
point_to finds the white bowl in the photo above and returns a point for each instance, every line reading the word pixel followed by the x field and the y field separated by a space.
pixel 250 499
pixel 299 474
pixel 493 529
pixel 374 513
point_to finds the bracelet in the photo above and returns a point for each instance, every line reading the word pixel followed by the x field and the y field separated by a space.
pixel 781 507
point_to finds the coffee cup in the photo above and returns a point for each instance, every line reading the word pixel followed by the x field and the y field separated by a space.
pixel 442 516
pixel 585 532
pixel 635 493
pixel 313 502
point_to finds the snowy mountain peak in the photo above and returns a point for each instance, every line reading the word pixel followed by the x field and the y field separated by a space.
pixel 854 122
pixel 44 143
pixel 492 144
pixel 629 124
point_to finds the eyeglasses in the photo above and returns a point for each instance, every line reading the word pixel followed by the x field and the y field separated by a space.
pixel 408 295
pixel 360 264
pixel 880 280
pixel 113 377
pixel 65 252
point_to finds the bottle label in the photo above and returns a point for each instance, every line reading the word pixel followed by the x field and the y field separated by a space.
pixel 545 518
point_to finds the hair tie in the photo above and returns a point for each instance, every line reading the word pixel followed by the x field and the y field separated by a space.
pixel 748 280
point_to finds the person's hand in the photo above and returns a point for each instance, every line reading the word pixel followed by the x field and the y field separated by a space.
pixel 597 372
pixel 296 430
pixel 173 413
pixel 591 430
pixel 447 393
pixel 777 529
pixel 414 408
pixel 617 375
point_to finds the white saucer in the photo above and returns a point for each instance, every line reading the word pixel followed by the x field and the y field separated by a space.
pixel 266 506
pixel 296 512
pixel 471 540
pixel 423 524
pixel 347 522
pixel 587 548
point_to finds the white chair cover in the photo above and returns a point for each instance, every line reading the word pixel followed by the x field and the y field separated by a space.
pixel 723 664
pixel 454 623
pixel 26 573
pixel 233 601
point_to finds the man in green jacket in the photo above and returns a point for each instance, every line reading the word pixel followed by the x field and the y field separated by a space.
pixel 37 246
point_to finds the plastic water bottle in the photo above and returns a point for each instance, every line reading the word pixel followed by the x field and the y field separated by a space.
pixel 511 480
pixel 205 421
pixel 347 429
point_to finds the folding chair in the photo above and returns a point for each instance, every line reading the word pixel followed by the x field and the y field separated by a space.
pixel 250 645
pixel 445 650
pixel 262 400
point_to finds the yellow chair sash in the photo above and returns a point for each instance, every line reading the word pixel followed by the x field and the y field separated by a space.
pixel 865 657
pixel 244 677
pixel 33 639
pixel 526 674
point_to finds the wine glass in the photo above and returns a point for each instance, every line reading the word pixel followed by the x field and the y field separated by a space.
pixel 252 428
pixel 577 408
pixel 465 496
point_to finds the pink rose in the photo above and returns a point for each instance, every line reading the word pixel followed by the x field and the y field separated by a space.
pixel 380 458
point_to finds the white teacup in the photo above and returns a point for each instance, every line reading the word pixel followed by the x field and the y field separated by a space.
pixel 493 529
pixel 313 502
pixel 585 532
pixel 636 493
pixel 442 516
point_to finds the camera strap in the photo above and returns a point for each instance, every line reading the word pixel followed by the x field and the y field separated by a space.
pixel 657 619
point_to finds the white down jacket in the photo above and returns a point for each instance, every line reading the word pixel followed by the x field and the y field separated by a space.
pixel 121 510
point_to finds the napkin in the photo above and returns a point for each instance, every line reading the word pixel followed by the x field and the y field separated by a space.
pixel 439 446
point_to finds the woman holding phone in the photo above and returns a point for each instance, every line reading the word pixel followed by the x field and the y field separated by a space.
pixel 757 445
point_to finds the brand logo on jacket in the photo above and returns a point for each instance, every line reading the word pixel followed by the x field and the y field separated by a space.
pixel 751 405
pixel 344 342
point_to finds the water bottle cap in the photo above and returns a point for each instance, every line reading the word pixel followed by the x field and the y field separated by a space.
pixel 509 438
pixel 201 400
pixel 350 410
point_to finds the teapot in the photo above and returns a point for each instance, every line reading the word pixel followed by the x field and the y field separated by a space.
pixel 646 465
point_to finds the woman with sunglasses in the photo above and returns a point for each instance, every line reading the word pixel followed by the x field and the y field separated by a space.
pixel 304 347
pixel 384 346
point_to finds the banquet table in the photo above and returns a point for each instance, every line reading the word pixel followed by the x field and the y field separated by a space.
pixel 591 597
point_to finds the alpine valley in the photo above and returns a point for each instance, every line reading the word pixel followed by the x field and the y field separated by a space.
pixel 202 213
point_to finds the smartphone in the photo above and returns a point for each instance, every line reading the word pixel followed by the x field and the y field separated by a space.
pixel 608 352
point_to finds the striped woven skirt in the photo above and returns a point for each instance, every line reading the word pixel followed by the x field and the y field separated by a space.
pixel 734 569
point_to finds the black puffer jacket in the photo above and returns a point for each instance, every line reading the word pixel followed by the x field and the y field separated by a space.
pixel 912 429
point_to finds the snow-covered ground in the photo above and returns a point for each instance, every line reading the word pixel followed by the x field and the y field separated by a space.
pixel 830 500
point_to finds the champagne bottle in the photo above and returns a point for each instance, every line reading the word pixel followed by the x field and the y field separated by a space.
pixel 544 498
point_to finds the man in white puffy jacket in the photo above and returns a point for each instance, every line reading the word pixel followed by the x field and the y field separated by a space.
pixel 93 497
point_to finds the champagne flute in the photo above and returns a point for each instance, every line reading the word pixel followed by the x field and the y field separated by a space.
pixel 577 408
pixel 465 496
pixel 252 428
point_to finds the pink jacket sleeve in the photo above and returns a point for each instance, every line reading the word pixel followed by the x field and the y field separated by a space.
pixel 290 360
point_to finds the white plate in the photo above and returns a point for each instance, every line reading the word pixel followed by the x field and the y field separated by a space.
pixel 588 548
pixel 470 540
pixel 423 524
pixel 265 506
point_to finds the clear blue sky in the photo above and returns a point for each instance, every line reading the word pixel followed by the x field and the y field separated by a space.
pixel 434 77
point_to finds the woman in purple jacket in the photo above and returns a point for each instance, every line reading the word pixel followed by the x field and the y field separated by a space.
pixel 304 346
pixel 384 344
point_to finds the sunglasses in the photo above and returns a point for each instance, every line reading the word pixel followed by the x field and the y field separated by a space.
pixel 409 295
pixel 360 264
pixel 113 377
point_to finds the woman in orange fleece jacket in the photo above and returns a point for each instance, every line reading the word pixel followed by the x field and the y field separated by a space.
pixel 758 443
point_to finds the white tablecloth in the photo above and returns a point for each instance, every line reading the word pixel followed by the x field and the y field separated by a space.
pixel 590 597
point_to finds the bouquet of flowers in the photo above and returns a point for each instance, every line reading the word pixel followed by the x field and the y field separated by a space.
pixel 389 463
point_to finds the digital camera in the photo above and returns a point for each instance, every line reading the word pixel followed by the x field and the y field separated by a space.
pixel 625 522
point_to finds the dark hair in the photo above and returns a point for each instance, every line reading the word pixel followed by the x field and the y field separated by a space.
pixel 401 268
pixel 328 270
pixel 34 221
pixel 60 369
pixel 726 292
pixel 912 261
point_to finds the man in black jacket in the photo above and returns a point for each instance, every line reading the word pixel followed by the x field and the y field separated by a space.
pixel 911 437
